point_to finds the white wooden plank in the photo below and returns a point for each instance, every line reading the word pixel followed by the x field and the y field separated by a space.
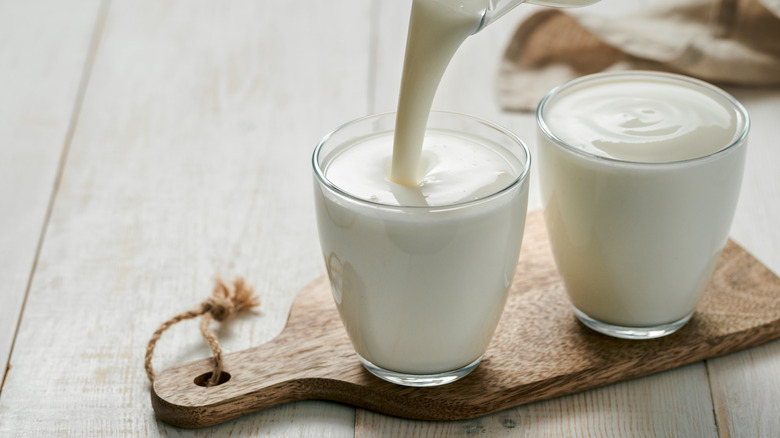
pixel 43 49
pixel 746 392
pixel 654 406
pixel 191 158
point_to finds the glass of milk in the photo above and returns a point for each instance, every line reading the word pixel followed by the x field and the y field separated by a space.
pixel 420 274
pixel 639 174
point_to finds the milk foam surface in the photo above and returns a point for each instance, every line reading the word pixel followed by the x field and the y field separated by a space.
pixel 642 119
pixel 456 168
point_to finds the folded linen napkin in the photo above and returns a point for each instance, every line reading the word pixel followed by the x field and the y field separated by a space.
pixel 720 41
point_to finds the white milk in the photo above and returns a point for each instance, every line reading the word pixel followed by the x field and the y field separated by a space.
pixel 636 219
pixel 650 120
pixel 456 169
pixel 436 30
pixel 420 289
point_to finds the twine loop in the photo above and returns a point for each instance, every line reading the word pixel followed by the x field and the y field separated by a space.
pixel 223 303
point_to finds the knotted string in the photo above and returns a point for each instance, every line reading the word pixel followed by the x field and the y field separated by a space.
pixel 223 303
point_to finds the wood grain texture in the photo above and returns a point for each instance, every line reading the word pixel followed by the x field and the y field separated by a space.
pixel 42 61
pixel 750 379
pixel 539 351
pixel 190 159
pixel 652 406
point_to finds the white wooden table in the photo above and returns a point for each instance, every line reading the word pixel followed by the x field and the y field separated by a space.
pixel 148 145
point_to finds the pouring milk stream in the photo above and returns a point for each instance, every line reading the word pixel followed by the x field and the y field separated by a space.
pixel 436 29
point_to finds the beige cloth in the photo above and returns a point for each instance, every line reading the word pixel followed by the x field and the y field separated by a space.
pixel 720 41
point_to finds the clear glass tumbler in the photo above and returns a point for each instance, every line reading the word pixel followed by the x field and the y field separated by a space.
pixel 420 289
pixel 636 242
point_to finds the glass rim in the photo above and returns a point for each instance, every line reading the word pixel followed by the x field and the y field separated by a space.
pixel 323 179
pixel 743 119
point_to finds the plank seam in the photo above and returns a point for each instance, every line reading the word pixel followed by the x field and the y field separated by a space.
pixel 715 418
pixel 94 42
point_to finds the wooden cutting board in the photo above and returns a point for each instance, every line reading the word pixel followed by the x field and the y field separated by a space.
pixel 539 351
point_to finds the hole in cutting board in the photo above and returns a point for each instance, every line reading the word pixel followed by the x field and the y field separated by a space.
pixel 203 378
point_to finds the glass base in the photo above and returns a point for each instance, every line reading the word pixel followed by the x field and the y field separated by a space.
pixel 622 332
pixel 419 380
